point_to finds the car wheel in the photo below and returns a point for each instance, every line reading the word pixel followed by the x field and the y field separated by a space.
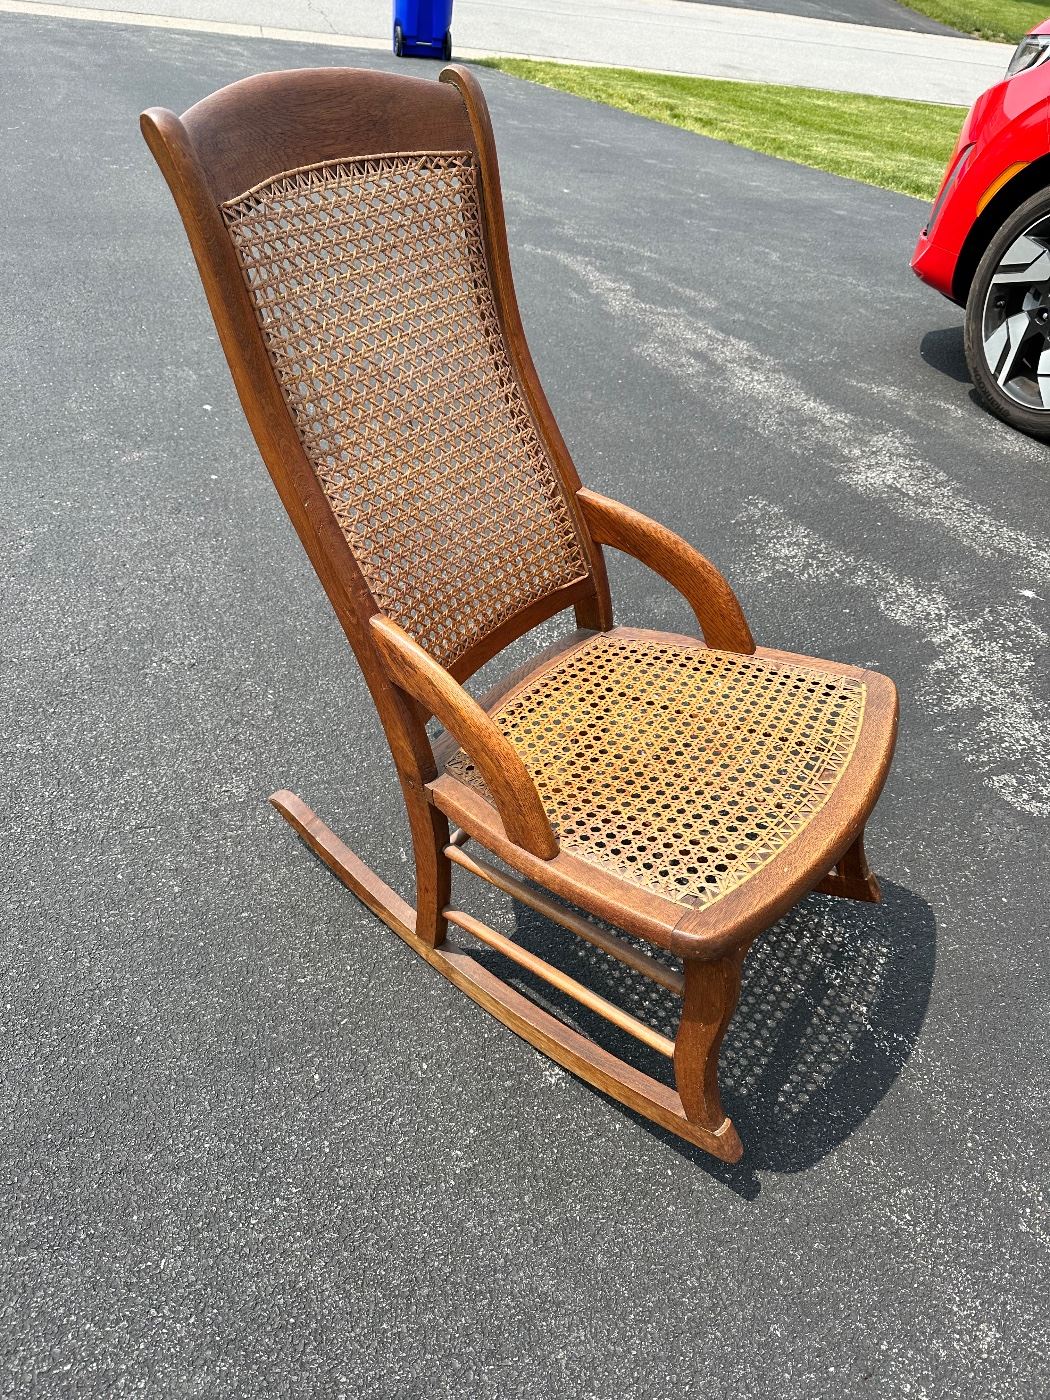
pixel 399 41
pixel 1007 327
pixel 446 46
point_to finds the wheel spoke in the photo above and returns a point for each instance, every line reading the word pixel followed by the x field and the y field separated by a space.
pixel 1017 329
pixel 1025 262
pixel 1043 373
pixel 995 344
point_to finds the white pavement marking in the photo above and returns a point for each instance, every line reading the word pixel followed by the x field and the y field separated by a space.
pixel 878 464
pixel 981 678
pixel 659 35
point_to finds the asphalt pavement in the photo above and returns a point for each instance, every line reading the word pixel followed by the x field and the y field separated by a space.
pixel 251 1145
pixel 883 14
pixel 750 42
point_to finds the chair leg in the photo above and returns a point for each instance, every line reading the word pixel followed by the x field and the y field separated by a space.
pixel 696 1044
pixel 852 877
pixel 430 836
pixel 711 993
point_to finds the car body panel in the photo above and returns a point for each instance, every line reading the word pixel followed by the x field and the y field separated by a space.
pixel 1005 130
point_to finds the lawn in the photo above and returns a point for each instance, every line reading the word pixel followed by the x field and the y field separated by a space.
pixel 991 19
pixel 897 145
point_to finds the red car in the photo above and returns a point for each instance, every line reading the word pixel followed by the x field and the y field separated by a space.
pixel 986 244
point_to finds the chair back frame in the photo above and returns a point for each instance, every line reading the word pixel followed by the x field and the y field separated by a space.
pixel 255 130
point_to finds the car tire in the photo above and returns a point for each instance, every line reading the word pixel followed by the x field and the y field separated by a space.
pixel 399 41
pixel 1004 336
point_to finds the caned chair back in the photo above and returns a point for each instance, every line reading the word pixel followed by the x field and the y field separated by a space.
pixel 356 207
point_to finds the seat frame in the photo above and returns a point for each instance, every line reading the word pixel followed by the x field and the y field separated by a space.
pixel 248 133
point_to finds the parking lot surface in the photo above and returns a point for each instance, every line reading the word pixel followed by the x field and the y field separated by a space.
pixel 252 1146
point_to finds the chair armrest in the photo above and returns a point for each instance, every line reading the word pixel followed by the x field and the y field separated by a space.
pixel 513 792
pixel 714 604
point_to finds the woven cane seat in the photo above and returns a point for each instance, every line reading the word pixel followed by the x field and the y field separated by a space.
pixel 680 769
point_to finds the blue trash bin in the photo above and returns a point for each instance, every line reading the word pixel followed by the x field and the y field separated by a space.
pixel 423 28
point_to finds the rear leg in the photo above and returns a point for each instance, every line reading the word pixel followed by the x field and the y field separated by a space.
pixel 852 877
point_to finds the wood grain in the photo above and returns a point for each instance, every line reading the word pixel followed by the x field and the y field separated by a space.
pixel 513 791
pixel 714 604
pixel 562 982
pixel 567 1047
pixel 712 990
pixel 616 948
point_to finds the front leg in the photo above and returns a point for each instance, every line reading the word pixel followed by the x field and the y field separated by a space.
pixel 711 993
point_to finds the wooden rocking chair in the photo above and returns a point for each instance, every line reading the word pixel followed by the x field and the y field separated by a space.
pixel 348 227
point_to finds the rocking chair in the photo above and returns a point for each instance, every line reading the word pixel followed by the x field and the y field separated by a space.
pixel 348 228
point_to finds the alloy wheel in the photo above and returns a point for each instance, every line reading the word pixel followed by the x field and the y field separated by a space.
pixel 1015 330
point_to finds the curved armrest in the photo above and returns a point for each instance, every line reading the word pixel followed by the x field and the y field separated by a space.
pixel 506 777
pixel 718 613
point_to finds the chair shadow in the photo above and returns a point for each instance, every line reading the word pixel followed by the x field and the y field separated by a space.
pixel 832 1002
pixel 943 350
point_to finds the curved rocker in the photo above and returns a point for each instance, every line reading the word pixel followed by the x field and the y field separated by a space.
pixel 712 1131
pixel 348 228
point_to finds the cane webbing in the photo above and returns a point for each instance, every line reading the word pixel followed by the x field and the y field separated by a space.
pixel 371 286
pixel 681 769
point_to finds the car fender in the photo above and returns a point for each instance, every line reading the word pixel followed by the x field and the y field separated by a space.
pixel 1008 128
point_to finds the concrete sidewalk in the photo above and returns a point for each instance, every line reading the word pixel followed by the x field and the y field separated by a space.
pixel 663 35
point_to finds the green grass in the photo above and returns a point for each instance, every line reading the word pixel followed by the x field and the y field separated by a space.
pixel 990 19
pixel 901 146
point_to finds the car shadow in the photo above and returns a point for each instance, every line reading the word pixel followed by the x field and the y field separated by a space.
pixel 943 350
pixel 832 1003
